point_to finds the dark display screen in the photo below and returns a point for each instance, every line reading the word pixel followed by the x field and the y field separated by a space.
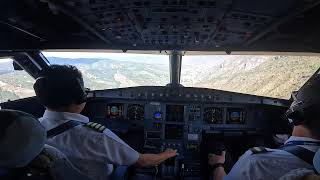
pixel 174 113
pixel 173 131
pixel 114 111
pixel 236 116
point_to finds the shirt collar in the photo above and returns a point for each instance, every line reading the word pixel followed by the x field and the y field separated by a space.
pixel 298 138
pixel 52 119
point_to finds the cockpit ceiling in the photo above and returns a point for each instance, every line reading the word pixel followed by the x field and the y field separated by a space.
pixel 199 25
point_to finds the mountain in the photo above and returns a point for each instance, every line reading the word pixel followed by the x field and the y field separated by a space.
pixel 106 74
pixel 15 85
pixel 274 76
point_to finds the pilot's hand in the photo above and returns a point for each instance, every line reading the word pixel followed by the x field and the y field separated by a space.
pixel 169 153
pixel 215 159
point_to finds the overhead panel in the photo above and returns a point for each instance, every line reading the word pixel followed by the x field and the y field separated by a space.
pixel 159 25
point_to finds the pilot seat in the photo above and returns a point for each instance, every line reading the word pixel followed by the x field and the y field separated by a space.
pixel 24 155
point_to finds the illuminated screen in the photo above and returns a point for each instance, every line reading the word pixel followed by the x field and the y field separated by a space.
pixel 236 116
pixel 114 111
pixel 174 131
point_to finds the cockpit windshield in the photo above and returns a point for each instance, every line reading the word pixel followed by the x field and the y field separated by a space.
pixel 116 70
pixel 271 76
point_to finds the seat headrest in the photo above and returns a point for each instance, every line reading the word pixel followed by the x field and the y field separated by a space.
pixel 22 138
pixel 316 161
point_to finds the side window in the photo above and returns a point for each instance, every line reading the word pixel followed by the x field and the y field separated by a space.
pixel 14 84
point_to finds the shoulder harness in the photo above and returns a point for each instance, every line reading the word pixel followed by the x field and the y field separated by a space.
pixel 258 150
pixel 95 126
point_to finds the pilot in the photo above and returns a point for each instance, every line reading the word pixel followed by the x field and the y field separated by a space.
pixel 91 147
pixel 296 153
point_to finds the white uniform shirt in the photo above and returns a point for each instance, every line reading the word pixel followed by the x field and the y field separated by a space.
pixel 269 165
pixel 91 152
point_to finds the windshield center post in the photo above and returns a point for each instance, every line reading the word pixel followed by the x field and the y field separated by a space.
pixel 175 61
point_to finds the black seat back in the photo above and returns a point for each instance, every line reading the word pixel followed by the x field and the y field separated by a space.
pixel 50 164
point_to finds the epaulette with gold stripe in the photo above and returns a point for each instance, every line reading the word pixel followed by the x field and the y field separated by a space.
pixel 258 150
pixel 96 126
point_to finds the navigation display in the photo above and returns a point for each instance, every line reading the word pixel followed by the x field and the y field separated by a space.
pixel 114 111
pixel 174 113
pixel 236 116
pixel 173 131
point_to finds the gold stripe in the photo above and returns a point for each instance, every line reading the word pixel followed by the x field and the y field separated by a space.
pixel 93 125
pixel 102 128
pixel 98 126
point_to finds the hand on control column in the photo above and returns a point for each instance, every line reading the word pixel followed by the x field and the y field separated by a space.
pixel 148 160
pixel 214 159
pixel 169 153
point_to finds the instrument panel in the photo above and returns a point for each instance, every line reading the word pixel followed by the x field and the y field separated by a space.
pixel 180 121
pixel 158 113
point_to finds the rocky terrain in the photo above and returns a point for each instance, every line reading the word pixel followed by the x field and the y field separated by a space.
pixel 273 76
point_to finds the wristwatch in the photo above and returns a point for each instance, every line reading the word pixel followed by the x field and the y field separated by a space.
pixel 215 166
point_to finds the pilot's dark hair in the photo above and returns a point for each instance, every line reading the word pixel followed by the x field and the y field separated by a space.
pixel 60 86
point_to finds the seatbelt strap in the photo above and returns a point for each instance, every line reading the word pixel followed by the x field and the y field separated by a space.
pixel 62 128
pixel 300 152
pixel 303 143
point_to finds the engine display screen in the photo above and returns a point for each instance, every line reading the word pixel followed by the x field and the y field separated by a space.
pixel 173 131
pixel 236 116
pixel 114 111
pixel 174 113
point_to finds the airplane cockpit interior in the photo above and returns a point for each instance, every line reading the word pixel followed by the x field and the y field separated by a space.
pixel 198 76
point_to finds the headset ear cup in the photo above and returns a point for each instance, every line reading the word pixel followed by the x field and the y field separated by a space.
pixel 80 92
pixel 40 89
pixel 296 118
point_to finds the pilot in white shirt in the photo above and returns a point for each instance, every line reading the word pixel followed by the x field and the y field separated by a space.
pixel 107 146
pixel 296 153
pixel 272 164
pixel 94 151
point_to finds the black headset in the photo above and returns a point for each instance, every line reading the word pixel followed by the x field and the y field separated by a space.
pixel 50 94
pixel 295 114
pixel 301 111
pixel 306 102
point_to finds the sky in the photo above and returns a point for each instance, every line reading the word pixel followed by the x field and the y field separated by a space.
pixel 145 58
pixel 114 56
pixel 151 58
pixel 5 60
